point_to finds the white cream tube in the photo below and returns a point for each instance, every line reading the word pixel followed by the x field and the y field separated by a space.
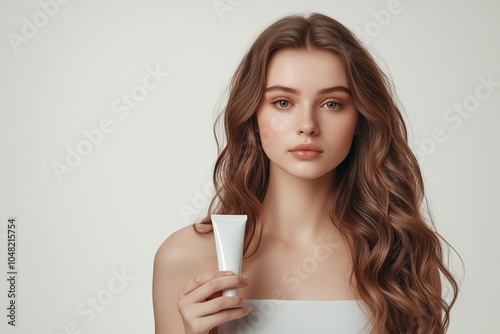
pixel 229 233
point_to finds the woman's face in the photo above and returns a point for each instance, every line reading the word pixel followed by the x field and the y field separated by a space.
pixel 307 101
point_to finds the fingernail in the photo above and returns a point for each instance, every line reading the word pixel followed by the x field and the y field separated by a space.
pixel 245 280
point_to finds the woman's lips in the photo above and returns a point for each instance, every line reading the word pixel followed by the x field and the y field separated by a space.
pixel 306 151
pixel 305 155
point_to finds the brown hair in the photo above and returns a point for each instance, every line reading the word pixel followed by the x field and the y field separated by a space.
pixel 378 190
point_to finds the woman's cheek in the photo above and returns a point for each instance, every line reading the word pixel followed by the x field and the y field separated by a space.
pixel 271 125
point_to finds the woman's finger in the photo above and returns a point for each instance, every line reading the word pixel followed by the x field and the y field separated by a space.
pixel 202 278
pixel 203 292
pixel 211 321
pixel 216 305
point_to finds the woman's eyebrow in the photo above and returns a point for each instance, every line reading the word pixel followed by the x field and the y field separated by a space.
pixel 297 92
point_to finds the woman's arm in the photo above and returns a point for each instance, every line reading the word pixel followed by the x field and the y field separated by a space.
pixel 186 287
pixel 169 277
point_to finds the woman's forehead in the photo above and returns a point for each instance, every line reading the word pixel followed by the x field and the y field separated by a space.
pixel 306 69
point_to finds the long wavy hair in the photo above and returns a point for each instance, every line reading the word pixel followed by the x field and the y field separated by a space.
pixel 377 192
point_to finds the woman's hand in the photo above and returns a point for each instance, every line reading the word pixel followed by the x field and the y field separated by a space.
pixel 202 306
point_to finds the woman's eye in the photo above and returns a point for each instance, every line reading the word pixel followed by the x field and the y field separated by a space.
pixel 332 105
pixel 282 104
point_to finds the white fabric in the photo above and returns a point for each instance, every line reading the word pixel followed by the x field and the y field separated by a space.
pixel 271 316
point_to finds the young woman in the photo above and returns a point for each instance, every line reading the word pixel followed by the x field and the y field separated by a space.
pixel 316 156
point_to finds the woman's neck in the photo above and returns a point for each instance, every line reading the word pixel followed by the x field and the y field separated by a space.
pixel 295 209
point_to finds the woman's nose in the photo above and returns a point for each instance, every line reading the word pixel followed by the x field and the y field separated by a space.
pixel 307 123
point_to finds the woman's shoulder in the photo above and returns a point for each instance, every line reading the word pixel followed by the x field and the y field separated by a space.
pixel 188 249
pixel 183 255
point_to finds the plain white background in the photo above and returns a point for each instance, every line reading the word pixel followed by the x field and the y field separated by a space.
pixel 70 71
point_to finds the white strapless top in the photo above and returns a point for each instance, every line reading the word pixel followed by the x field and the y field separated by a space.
pixel 270 316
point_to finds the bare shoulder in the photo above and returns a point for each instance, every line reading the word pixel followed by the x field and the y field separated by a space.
pixel 183 255
pixel 186 249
